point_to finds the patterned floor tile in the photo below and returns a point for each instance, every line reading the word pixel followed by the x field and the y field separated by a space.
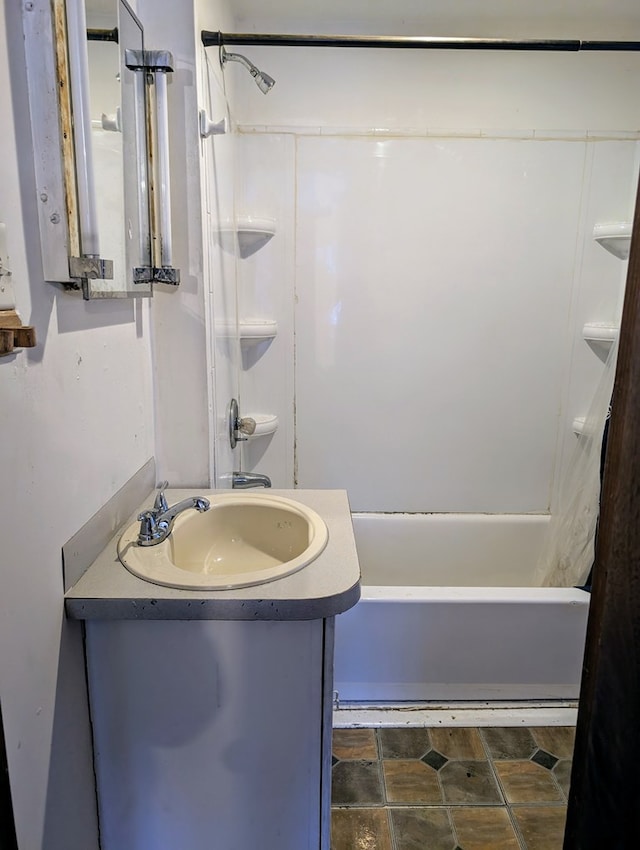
pixel 484 828
pixel 469 782
pixel 458 743
pixel 544 759
pixel 562 773
pixel 510 743
pixel 410 782
pixel 360 829
pixel 404 743
pixel 356 782
pixel 558 740
pixel 436 789
pixel 354 744
pixel 542 827
pixel 419 829
pixel 526 782
pixel 434 759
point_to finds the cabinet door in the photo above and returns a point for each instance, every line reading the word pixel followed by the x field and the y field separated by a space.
pixel 208 734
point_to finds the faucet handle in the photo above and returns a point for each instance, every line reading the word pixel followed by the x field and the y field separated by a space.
pixel 160 503
pixel 247 426
pixel 148 528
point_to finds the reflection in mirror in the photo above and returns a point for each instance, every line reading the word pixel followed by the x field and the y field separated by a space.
pixel 118 133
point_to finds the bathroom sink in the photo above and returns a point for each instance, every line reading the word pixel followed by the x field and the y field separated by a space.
pixel 242 540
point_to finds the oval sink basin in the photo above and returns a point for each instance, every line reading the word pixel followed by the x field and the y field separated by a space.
pixel 241 540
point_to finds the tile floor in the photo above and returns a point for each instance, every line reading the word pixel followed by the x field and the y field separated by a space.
pixel 450 789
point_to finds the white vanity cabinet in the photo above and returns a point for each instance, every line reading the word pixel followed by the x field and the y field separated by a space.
pixel 212 735
pixel 211 710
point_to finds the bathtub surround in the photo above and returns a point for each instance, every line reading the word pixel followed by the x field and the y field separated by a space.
pixel 430 275
pixel 343 271
pixel 433 256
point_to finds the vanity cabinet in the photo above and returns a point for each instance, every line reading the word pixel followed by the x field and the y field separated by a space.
pixel 211 709
pixel 212 735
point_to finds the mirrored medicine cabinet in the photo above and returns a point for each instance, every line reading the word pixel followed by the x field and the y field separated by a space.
pixel 98 104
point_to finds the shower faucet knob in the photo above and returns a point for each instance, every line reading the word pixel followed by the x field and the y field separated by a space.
pixel 247 425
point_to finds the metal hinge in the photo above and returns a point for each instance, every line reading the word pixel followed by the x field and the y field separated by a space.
pixel 149 274
pixel 149 60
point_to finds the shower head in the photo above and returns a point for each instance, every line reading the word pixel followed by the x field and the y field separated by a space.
pixel 264 82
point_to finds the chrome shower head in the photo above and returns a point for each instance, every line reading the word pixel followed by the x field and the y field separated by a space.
pixel 264 82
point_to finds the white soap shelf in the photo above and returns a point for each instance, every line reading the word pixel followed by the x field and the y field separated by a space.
pixel 246 235
pixel 581 429
pixel 603 333
pixel 266 424
pixel 249 331
pixel 615 237
pixel 577 426
pixel 253 331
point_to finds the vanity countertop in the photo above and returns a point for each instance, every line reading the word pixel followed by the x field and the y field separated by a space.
pixel 327 586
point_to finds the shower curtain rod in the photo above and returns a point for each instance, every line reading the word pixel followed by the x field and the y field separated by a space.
pixel 211 39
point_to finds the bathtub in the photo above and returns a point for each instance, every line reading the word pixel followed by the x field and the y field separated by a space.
pixel 448 613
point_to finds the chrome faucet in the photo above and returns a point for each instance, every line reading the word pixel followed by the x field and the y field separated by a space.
pixel 156 524
pixel 244 480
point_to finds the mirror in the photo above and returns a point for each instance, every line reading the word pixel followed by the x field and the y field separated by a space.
pixel 100 129
pixel 118 140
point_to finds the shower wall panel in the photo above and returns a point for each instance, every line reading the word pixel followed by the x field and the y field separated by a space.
pixel 266 189
pixel 433 283
pixel 219 160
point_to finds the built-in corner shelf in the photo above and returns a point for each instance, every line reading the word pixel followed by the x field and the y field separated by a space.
pixel 266 424
pixel 615 236
pixel 246 235
pixel 577 426
pixel 254 331
pixel 600 333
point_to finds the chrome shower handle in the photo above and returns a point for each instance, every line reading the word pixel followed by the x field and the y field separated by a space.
pixel 239 426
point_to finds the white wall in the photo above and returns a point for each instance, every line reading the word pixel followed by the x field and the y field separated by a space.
pixel 183 421
pixel 490 18
pixel 76 419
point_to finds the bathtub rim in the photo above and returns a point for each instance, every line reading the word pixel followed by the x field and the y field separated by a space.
pixel 507 595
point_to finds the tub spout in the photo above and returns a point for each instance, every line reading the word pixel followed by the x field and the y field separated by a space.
pixel 244 480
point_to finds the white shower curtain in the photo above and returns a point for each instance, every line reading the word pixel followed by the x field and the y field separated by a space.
pixel 569 551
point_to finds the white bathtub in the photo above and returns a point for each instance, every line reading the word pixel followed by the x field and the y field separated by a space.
pixel 448 613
